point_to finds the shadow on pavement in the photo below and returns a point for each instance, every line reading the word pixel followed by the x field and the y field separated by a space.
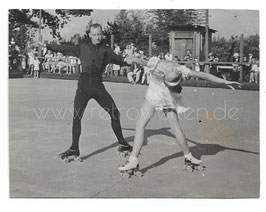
pixel 99 151
pixel 198 150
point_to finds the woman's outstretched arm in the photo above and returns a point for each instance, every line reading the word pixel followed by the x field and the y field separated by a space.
pixel 212 78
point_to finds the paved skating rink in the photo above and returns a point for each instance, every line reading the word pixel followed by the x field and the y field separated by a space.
pixel 222 129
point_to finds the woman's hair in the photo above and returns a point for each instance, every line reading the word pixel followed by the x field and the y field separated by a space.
pixel 172 81
pixel 175 89
pixel 173 78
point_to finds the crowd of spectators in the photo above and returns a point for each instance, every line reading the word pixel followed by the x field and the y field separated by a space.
pixel 31 63
pixel 232 72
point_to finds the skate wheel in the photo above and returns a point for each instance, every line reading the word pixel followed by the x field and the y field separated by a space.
pixel 138 173
pixel 124 174
pixel 78 159
pixel 188 168
pixel 200 168
pixel 122 154
pixel 67 160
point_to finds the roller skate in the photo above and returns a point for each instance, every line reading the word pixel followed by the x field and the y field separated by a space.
pixel 129 168
pixel 192 164
pixel 70 155
pixel 124 150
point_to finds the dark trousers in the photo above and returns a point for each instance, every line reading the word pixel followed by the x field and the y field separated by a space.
pixel 89 88
pixel 235 76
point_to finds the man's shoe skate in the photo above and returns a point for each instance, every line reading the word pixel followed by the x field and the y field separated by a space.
pixel 124 150
pixel 191 163
pixel 131 167
pixel 70 155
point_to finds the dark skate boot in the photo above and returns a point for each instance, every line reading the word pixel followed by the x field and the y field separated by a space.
pixel 124 149
pixel 70 155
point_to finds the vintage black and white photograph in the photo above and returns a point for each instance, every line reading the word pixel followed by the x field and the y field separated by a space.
pixel 134 103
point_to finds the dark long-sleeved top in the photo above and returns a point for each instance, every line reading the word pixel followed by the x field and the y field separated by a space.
pixel 94 58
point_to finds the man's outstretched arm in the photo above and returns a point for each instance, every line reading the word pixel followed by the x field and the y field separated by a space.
pixel 70 50
pixel 140 61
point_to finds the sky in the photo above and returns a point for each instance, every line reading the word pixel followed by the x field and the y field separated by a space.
pixel 226 22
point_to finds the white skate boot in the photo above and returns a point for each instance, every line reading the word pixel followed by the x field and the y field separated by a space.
pixel 129 168
pixel 192 163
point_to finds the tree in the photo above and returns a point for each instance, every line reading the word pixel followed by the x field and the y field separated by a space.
pixel 225 49
pixel 128 27
pixel 251 45
pixel 135 26
pixel 29 19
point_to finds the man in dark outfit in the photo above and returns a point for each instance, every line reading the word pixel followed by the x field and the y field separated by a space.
pixel 94 57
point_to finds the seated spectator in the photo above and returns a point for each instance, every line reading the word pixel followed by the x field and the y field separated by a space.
pixel 36 65
pixel 124 70
pixel 134 75
pixel 72 65
pixel 62 65
pixel 116 70
pixel 161 56
pixel 47 63
pixel 168 56
pixel 146 76
pixel 54 63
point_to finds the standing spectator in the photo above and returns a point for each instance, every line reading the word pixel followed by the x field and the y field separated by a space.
pixel 130 77
pixel 250 57
pixel 207 67
pixel 23 65
pixel 236 68
pixel 245 69
pixel 155 49
pixel 130 50
pixel 116 68
pixel 197 68
pixel 254 72
pixel 176 58
pixel 36 65
pixel 30 62
pixel 117 49
pixel 168 56
pixel 54 62
pixel 188 57
pixel 27 48
pixel 79 66
pixel 161 56
pixel 13 54
pixel 138 72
